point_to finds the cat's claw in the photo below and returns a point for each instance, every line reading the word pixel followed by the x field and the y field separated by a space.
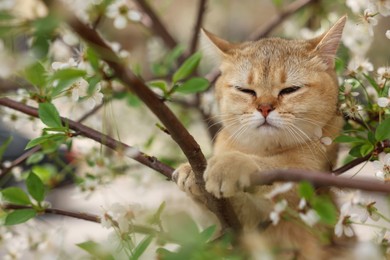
pixel 229 173
pixel 185 180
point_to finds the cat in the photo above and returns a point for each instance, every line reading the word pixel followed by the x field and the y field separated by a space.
pixel 277 98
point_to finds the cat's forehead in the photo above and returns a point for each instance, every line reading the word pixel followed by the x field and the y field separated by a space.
pixel 269 60
pixel 272 49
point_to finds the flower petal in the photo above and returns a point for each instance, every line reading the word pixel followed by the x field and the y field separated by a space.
pixel 383 102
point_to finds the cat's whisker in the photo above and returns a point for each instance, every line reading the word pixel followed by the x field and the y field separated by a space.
pixel 246 124
pixel 316 144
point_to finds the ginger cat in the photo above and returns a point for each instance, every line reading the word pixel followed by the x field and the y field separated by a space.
pixel 275 96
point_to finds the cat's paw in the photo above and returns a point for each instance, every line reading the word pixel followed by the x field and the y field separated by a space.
pixel 185 180
pixel 229 173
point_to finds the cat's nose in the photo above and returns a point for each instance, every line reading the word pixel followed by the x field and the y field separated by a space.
pixel 265 109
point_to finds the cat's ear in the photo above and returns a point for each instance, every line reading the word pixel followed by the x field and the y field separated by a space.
pixel 326 45
pixel 213 45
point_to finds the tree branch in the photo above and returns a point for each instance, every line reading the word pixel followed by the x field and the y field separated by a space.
pixel 157 26
pixel 18 161
pixel 35 149
pixel 86 131
pixel 279 18
pixel 351 164
pixel 318 179
pixel 78 215
pixel 198 24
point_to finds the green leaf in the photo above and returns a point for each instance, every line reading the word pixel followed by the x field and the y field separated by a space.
pixel 15 195
pixel 35 187
pixel 208 233
pixel 44 172
pixel 182 228
pixel 187 68
pixel 371 137
pixel 44 31
pixel 160 84
pixel 43 139
pixel 49 115
pixel 365 149
pixel 35 158
pixel 19 216
pixel 65 78
pixel 93 59
pixel 36 74
pixel 156 217
pixel 372 82
pixel 355 151
pixel 325 209
pixel 3 146
pixel 193 85
pixel 133 100
pixel 95 250
pixel 278 3
pixel 383 130
pixel 141 247
pixel 56 129
pixel 348 139
pixel 306 190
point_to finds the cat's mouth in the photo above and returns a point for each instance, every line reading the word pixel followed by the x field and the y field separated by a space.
pixel 266 125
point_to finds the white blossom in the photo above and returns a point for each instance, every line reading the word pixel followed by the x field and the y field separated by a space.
pixel 368 210
pixel 278 209
pixel 79 89
pixel 369 19
pixel 282 188
pixel 348 89
pixel 57 65
pixel 132 152
pixel 309 216
pixel 122 13
pixel 95 98
pixel 343 225
pixel 383 75
pixel 357 5
pixel 118 49
pixel 326 140
pixel 383 7
pixel 352 110
pixel 387 34
pixel 383 167
pixel 7 4
pixel 359 65
pixel 121 215
pixel 355 38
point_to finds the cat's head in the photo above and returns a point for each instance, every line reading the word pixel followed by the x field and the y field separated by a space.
pixel 277 90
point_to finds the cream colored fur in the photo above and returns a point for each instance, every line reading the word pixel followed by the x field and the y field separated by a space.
pixel 286 137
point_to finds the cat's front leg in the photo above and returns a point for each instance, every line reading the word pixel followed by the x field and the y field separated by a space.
pixel 185 180
pixel 228 173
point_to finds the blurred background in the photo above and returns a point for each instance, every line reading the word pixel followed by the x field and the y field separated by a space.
pixel 86 177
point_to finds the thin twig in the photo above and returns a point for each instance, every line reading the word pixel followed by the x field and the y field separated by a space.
pixel 157 26
pixel 78 215
pixel 37 148
pixel 18 161
pixel 279 18
pixel 198 24
pixel 351 164
pixel 88 132
pixel 318 179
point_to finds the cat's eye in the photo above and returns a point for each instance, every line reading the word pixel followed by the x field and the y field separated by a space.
pixel 246 90
pixel 289 90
